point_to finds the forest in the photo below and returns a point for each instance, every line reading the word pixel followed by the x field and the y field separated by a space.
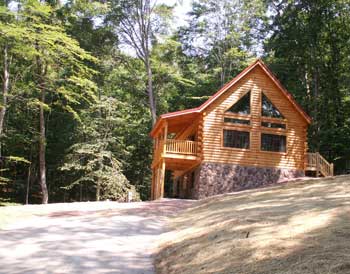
pixel 83 81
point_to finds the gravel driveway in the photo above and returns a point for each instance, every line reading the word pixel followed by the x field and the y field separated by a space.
pixel 95 237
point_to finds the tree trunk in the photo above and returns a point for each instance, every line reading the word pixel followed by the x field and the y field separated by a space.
pixel 5 89
pixel 152 104
pixel 222 75
pixel 29 177
pixel 98 188
pixel 42 151
pixel 28 183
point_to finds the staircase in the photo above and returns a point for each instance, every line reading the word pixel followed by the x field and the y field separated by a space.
pixel 315 162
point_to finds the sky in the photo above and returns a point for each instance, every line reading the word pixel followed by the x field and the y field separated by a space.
pixel 182 7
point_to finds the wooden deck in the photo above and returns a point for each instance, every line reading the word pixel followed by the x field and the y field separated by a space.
pixel 172 150
pixel 175 155
pixel 184 147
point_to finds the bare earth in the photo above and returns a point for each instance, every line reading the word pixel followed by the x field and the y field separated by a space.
pixel 95 237
pixel 294 228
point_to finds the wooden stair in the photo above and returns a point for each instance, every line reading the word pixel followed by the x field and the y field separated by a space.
pixel 315 162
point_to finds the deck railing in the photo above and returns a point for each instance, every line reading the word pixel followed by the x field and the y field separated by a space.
pixel 316 162
pixel 181 146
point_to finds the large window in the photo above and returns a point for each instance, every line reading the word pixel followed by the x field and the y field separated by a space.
pixel 242 106
pixel 271 142
pixel 273 125
pixel 236 121
pixel 268 109
pixel 236 139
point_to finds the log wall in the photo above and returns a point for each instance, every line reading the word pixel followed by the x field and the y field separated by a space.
pixel 296 132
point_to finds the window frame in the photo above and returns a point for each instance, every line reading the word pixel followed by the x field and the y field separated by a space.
pixel 262 94
pixel 237 127
pixel 228 125
pixel 227 112
pixel 277 134
pixel 273 130
pixel 235 148
pixel 278 126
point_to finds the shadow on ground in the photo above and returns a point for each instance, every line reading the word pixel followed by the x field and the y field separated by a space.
pixel 117 240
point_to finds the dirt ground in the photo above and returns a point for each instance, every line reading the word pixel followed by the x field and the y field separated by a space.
pixel 95 237
pixel 295 228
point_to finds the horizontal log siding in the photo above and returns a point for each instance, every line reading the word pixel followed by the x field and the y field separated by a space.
pixel 256 82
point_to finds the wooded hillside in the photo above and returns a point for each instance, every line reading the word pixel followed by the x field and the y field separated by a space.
pixel 83 82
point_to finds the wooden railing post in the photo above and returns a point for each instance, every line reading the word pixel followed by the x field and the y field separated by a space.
pixel 181 146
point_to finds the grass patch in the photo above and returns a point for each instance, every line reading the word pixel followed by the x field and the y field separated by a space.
pixel 296 228
pixel 2 204
pixel 7 202
pixel 10 212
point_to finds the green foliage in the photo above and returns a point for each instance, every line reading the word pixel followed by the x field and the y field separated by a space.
pixel 309 51
pixel 224 34
pixel 93 160
pixel 96 106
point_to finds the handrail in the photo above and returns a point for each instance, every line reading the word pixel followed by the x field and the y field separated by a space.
pixel 181 146
pixel 320 164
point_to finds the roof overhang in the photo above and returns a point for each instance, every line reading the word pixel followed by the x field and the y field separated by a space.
pixel 175 120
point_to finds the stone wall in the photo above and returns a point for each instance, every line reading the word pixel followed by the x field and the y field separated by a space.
pixel 214 178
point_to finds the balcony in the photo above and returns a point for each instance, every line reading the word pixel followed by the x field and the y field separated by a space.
pixel 178 154
pixel 184 147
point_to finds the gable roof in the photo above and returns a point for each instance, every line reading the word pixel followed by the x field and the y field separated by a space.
pixel 213 98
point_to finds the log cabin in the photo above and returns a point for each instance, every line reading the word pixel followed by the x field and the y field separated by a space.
pixel 249 134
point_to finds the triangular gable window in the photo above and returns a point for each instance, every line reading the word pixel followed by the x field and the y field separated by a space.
pixel 268 109
pixel 242 106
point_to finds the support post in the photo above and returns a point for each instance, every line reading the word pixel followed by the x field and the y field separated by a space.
pixel 152 185
pixel 332 169
pixel 162 178
pixel 156 194
pixel 162 165
pixel 158 184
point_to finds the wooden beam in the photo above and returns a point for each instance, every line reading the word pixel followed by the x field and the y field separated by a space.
pixel 191 168
pixel 152 184
pixel 162 178
pixel 162 167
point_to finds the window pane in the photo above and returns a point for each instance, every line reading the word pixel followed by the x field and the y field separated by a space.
pixel 273 125
pixel 270 142
pixel 268 109
pixel 242 106
pixel 236 121
pixel 237 139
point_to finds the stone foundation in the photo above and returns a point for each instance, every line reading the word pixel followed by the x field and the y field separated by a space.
pixel 214 178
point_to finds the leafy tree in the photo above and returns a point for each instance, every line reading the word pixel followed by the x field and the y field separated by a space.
pixel 58 68
pixel 138 22
pixel 224 33
pixel 309 51
pixel 91 115
pixel 93 160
